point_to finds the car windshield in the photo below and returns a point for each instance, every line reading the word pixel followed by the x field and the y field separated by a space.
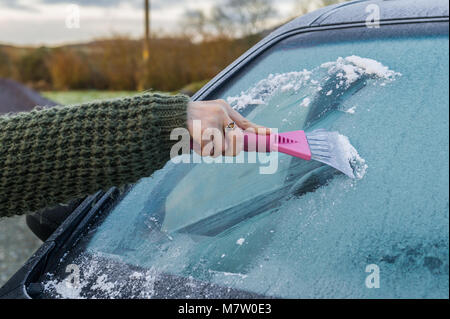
pixel 305 230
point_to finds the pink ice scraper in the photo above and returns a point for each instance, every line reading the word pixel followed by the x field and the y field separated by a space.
pixel 319 145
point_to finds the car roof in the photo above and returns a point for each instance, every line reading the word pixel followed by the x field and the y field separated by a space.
pixel 355 11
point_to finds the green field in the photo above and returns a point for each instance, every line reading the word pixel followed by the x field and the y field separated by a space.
pixel 74 97
pixel 81 96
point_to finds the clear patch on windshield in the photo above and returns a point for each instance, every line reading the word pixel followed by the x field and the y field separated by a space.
pixel 319 90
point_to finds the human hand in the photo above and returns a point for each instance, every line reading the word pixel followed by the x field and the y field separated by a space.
pixel 216 136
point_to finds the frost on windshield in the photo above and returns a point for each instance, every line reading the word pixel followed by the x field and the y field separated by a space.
pixel 100 276
pixel 97 281
pixel 306 231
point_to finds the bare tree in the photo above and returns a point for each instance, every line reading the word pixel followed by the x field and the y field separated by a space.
pixel 230 18
pixel 302 7
pixel 195 24
pixel 243 17
pixel 221 24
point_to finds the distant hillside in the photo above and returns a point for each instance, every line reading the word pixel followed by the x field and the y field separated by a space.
pixel 116 63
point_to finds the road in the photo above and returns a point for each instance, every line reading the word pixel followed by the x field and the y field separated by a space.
pixel 17 242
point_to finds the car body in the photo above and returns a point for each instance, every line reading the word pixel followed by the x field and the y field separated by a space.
pixel 305 231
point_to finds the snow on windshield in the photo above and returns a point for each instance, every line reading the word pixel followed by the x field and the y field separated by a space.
pixel 347 70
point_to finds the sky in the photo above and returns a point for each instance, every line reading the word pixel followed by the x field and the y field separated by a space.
pixel 54 22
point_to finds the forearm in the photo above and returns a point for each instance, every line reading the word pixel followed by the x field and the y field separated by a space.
pixel 54 155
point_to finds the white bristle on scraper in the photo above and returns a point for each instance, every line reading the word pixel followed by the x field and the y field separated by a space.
pixel 327 147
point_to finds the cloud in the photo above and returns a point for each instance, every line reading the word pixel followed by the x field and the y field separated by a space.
pixel 15 4
pixel 155 4
pixel 96 3
pixel 99 18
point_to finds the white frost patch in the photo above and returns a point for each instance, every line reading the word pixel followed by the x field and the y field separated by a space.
pixel 351 68
pixel 104 286
pixel 287 87
pixel 136 275
pixel 340 155
pixel 94 283
pixel 351 155
pixel 351 110
pixel 243 100
pixel 266 88
pixel 240 241
pixel 306 102
pixel 371 66
pixel 63 288
pixel 226 274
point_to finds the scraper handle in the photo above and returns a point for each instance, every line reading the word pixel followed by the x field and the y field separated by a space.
pixel 258 143
pixel 255 142
pixel 294 143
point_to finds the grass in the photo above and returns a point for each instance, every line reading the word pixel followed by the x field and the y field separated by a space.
pixel 194 87
pixel 81 96
pixel 74 97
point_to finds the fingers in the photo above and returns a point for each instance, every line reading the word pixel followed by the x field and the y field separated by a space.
pixel 197 148
pixel 259 129
pixel 242 122
pixel 204 122
pixel 218 141
pixel 234 140
pixel 213 142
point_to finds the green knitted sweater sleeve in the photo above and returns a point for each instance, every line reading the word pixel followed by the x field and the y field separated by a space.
pixel 57 154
